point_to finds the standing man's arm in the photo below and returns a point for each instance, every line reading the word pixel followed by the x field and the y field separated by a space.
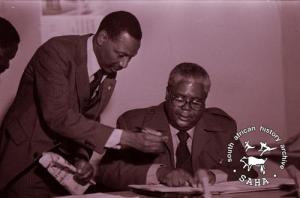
pixel 53 93
pixel 55 103
pixel 118 169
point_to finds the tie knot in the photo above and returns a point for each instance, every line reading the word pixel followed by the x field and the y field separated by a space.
pixel 183 136
pixel 98 74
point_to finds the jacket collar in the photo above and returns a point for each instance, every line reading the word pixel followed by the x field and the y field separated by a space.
pixel 82 77
pixel 156 119
pixel 203 132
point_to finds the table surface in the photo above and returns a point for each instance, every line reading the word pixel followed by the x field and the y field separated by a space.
pixel 260 194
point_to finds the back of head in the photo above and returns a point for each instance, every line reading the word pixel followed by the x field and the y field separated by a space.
pixel 8 34
pixel 185 71
pixel 121 21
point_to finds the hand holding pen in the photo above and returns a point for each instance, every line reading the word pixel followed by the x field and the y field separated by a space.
pixel 84 172
pixel 146 140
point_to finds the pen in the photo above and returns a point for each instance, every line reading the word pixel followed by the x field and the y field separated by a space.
pixel 71 170
pixel 92 182
pixel 152 132
pixel 149 131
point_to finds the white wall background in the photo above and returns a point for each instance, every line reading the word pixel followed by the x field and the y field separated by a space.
pixel 248 48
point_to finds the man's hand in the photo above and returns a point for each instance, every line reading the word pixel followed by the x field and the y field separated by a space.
pixel 148 140
pixel 84 171
pixel 174 177
pixel 201 174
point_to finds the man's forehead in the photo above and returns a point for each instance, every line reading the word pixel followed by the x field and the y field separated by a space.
pixel 126 43
pixel 189 86
pixel 187 81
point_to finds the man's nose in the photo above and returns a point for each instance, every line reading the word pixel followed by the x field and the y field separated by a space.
pixel 124 62
pixel 186 106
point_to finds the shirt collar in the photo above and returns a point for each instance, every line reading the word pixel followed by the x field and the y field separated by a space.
pixel 174 131
pixel 92 63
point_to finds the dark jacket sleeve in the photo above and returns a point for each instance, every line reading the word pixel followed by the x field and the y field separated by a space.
pixel 120 168
pixel 51 72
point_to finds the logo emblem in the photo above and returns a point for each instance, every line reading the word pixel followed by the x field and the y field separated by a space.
pixel 257 155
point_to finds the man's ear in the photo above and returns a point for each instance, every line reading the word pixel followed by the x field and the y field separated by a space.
pixel 167 97
pixel 102 37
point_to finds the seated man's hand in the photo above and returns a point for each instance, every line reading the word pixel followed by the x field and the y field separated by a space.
pixel 148 140
pixel 84 171
pixel 174 177
pixel 201 175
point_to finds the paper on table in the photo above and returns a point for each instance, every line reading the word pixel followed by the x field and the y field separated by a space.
pixel 166 189
pixel 237 186
pixel 95 195
pixel 220 188
pixel 63 172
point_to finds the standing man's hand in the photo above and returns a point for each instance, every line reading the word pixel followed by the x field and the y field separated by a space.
pixel 174 177
pixel 148 140
pixel 84 171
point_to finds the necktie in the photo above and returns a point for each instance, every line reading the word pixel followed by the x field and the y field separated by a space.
pixel 95 83
pixel 183 155
pixel 94 92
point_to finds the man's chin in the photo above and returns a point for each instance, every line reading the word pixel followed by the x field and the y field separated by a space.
pixel 116 69
pixel 111 70
pixel 184 125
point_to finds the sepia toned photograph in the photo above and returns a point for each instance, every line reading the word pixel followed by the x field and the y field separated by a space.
pixel 149 98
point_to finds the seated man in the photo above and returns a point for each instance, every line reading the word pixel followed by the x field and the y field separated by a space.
pixel 197 144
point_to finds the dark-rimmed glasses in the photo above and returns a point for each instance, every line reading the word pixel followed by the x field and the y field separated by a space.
pixel 180 100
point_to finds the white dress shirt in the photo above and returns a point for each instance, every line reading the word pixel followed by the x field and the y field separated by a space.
pixel 220 176
pixel 92 67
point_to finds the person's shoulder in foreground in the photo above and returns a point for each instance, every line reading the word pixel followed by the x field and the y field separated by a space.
pixel 9 42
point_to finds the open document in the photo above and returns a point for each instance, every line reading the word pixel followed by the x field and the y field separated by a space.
pixel 159 188
pixel 219 188
pixel 96 195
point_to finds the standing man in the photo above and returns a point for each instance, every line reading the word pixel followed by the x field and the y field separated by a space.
pixel 59 101
pixel 9 41
pixel 198 139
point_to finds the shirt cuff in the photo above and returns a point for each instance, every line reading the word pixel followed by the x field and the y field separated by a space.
pixel 219 175
pixel 114 139
pixel 151 174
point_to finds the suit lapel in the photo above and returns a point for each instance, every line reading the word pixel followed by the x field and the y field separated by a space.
pixel 159 122
pixel 106 90
pixel 82 78
pixel 200 140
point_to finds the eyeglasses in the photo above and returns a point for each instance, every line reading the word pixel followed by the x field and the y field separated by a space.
pixel 179 100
